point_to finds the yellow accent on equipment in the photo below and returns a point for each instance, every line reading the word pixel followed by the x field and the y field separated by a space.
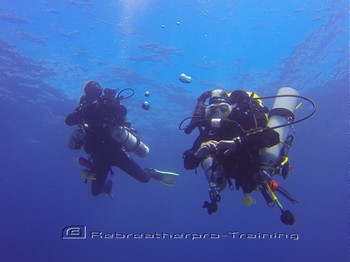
pixel 274 197
pixel 88 175
pixel 248 200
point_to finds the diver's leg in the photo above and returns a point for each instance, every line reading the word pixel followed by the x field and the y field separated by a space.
pixel 98 185
pixel 129 166
pixel 217 182
pixel 215 174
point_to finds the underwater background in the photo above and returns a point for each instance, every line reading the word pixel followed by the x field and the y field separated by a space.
pixel 50 49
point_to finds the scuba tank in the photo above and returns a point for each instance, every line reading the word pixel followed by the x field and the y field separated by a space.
pixel 282 113
pixel 129 141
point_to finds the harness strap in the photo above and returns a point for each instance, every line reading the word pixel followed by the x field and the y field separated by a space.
pixel 281 112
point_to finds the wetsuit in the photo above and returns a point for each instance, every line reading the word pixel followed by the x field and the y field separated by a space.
pixel 243 165
pixel 97 118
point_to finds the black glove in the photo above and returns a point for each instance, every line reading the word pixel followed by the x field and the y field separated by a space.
pixel 190 161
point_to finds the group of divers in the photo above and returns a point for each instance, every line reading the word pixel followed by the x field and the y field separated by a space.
pixel 242 144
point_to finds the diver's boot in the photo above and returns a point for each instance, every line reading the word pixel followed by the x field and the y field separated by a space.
pixel 107 189
pixel 164 177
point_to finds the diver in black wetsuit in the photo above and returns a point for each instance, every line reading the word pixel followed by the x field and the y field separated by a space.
pixel 222 148
pixel 235 139
pixel 96 115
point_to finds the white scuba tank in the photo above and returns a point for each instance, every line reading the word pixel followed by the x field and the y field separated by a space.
pixel 281 113
pixel 129 141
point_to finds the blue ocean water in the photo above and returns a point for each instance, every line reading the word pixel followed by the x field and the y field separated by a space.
pixel 50 49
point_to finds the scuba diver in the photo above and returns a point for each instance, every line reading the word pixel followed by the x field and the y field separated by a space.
pixel 241 140
pixel 108 138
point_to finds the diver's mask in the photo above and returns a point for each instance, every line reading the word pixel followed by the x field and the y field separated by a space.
pixel 218 110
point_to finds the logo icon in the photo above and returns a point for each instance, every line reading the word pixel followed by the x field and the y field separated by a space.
pixel 74 232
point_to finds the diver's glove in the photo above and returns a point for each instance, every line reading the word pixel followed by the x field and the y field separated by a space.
pixel 206 148
pixel 230 146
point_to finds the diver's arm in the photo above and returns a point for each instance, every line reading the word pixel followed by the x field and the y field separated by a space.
pixel 74 118
pixel 229 146
pixel 261 139
pixel 190 160
pixel 192 157
pixel 206 148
